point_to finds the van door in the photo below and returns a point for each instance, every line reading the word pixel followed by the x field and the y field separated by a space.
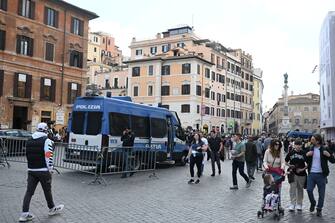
pixel 170 143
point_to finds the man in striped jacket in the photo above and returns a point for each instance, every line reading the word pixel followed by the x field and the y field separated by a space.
pixel 39 152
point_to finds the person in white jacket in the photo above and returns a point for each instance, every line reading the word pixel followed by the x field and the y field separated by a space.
pixel 40 153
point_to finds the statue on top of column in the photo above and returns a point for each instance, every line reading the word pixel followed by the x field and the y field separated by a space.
pixel 285 76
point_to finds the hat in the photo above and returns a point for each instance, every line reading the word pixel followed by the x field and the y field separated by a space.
pixel 42 127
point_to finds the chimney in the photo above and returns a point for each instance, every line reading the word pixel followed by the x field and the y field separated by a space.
pixel 158 36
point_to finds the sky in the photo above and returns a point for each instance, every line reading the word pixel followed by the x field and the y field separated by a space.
pixel 282 36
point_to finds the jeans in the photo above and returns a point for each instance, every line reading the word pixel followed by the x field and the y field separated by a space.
pixel 126 165
pixel 320 180
pixel 251 167
pixel 215 157
pixel 196 160
pixel 259 161
pixel 240 166
pixel 34 177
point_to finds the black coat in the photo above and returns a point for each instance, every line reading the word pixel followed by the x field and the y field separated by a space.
pixel 250 152
pixel 324 160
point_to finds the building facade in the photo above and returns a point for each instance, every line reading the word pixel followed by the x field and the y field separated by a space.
pixel 304 113
pixel 327 77
pixel 43 51
pixel 257 123
pixel 199 79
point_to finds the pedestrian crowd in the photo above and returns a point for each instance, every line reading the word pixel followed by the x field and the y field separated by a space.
pixel 303 162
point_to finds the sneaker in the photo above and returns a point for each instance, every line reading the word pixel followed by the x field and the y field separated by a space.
pixel 312 208
pixel 26 217
pixel 213 175
pixel 191 181
pixel 252 178
pixel 235 187
pixel 299 207
pixel 197 181
pixel 56 210
pixel 291 208
pixel 219 172
pixel 248 184
pixel 319 212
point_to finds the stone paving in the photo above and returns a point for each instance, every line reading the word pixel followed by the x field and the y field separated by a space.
pixel 167 198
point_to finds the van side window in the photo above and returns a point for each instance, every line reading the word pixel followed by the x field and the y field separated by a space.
pixel 94 122
pixel 140 126
pixel 78 121
pixel 158 128
pixel 117 123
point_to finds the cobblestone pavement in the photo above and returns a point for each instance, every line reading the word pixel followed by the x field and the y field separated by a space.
pixel 167 198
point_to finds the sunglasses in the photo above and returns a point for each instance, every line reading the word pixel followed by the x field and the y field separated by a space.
pixel 277 144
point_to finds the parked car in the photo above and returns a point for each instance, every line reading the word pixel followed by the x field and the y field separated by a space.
pixel 14 141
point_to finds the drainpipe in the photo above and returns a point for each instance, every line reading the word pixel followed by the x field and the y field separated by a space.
pixel 63 60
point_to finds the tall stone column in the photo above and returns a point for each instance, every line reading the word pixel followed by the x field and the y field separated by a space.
pixel 285 125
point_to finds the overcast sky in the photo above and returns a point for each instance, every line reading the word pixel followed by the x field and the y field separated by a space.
pixel 282 36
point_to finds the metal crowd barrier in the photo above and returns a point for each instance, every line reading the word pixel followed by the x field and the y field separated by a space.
pixel 88 159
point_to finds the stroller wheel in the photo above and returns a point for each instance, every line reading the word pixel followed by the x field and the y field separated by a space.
pixel 259 214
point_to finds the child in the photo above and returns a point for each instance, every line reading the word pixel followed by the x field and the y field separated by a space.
pixel 270 192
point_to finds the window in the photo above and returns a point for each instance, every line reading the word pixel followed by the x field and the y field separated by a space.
pixel 213 76
pixel 45 116
pixel 228 112
pixel 76 59
pixel 165 90
pixel 165 48
pixel 94 122
pixel 207 73
pixel 306 121
pixel 140 126
pixel 198 109
pixel 166 70
pixel 2 39
pixel 223 97
pixel 150 90
pixel 3 5
pixel 135 91
pixel 297 121
pixel 49 51
pixel 151 70
pixel 181 45
pixel 107 84
pixel 185 108
pixel 186 68
pixel 223 113
pixel 212 111
pixel 22 85
pixel 207 92
pixel 185 89
pixel 207 110
pixel 138 52
pixel 77 26
pixel 47 89
pixel 78 121
pixel 24 45
pixel 218 112
pixel 198 69
pixel 117 123
pixel 74 91
pixel 198 90
pixel 315 109
pixel 158 127
pixel 251 87
pixel 136 71
pixel 251 78
pixel 116 82
pixel 94 59
pixel 153 50
pixel 50 17
pixel 27 8
pixel 95 49
pixel 213 95
pixel 212 58
pixel 306 109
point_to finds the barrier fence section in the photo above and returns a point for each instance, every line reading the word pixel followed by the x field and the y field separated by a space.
pixel 88 159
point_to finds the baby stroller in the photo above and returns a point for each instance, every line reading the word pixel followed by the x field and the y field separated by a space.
pixel 271 193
